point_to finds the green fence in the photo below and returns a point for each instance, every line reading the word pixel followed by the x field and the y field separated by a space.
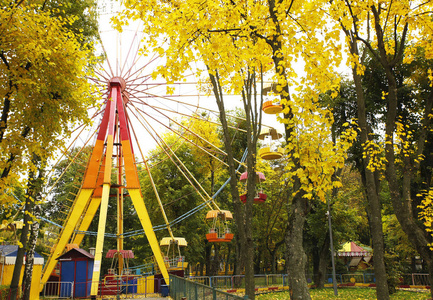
pixel 181 288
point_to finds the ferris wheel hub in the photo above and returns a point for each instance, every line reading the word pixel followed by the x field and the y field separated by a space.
pixel 117 80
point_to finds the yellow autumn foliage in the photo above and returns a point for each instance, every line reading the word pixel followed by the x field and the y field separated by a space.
pixel 44 88
pixel 229 37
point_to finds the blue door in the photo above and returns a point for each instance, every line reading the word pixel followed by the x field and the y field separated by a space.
pixel 67 278
pixel 81 279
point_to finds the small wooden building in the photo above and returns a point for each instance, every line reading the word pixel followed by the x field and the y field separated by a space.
pixel 8 257
pixel 76 266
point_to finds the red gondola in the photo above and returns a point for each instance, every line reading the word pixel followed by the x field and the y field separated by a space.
pixel 260 197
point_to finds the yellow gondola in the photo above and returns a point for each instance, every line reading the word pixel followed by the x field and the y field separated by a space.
pixel 173 261
pixel 272 108
pixel 270 150
pixel 269 106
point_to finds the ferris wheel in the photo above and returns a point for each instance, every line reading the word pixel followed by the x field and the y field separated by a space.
pixel 133 118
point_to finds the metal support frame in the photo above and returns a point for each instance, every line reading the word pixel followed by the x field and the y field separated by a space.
pixel 95 190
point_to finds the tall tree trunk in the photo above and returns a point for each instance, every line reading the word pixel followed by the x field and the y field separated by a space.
pixel 371 190
pixel 296 257
pixel 320 262
pixel 273 255
pixel 28 269
pixel 33 190
pixel 243 213
pixel 14 288
pixel 227 262
pixel 257 259
pixel 208 262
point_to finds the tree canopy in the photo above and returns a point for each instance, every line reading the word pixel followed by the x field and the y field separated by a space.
pixel 43 70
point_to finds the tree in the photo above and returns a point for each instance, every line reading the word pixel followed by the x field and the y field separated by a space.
pixel 43 72
pixel 391 33
pixel 44 92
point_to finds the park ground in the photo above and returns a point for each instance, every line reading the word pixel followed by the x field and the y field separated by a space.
pixel 350 294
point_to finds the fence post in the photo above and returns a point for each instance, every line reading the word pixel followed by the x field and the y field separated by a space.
pixel 214 297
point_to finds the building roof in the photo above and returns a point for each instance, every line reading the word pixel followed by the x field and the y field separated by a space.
pixel 6 250
pixel 12 250
pixel 8 254
pixel 352 249
pixel 76 252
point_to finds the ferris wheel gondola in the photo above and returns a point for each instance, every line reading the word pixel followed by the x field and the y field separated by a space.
pixel 219 231
pixel 270 149
pixel 271 106
pixel 260 196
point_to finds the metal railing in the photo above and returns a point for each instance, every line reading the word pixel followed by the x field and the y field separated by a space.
pixel 58 289
pixel 181 288
pixel 238 281
pixel 416 279
pixel 110 286
pixel 200 287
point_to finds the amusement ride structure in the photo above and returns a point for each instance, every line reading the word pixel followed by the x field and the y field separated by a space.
pixel 132 116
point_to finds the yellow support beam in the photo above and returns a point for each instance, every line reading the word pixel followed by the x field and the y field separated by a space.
pixel 68 229
pixel 100 239
pixel 87 219
pixel 92 208
pixel 102 216
pixel 143 215
pixel 133 187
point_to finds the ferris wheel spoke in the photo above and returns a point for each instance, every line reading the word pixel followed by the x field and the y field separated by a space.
pixel 127 55
pixel 129 75
pixel 191 142
pixel 65 154
pixel 190 131
pixel 180 165
pixel 198 117
pixel 149 131
pixel 98 81
pixel 104 76
pixel 169 97
pixel 111 73
pixel 181 135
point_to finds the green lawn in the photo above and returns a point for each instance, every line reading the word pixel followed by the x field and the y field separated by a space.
pixel 349 294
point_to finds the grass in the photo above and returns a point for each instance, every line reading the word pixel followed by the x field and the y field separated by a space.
pixel 349 294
